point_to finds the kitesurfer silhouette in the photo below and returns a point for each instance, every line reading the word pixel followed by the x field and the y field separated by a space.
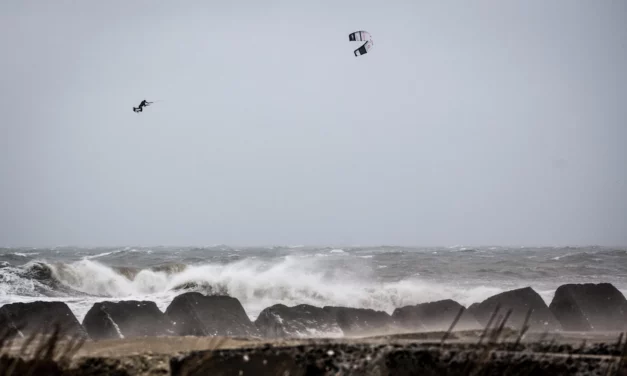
pixel 143 104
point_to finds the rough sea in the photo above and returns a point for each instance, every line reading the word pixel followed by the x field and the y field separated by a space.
pixel 381 278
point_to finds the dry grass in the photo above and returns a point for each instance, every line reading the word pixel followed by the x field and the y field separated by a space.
pixel 46 351
pixel 53 353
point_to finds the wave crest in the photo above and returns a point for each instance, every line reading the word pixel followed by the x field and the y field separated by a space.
pixel 257 284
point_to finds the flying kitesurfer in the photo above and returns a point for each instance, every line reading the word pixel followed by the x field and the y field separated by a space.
pixel 143 104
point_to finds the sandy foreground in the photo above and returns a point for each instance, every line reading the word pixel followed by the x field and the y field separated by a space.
pixel 183 344
pixel 402 354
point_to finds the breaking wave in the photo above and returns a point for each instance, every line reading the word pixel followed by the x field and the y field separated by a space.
pixel 255 283
pixel 381 278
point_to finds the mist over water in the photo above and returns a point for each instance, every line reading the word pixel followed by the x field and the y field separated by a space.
pixel 382 278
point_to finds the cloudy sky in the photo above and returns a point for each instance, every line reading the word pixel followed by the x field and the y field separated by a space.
pixel 490 122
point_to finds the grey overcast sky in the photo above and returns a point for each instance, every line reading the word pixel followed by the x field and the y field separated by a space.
pixel 483 122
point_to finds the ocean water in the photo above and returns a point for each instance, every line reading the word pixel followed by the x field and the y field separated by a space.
pixel 381 278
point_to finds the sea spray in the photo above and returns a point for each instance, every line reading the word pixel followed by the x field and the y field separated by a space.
pixel 94 278
pixel 382 278
pixel 259 284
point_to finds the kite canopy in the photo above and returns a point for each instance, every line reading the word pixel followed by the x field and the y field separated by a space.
pixel 361 36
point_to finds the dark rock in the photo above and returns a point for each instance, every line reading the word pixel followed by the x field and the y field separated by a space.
pixel 371 360
pixel 438 316
pixel 236 363
pixel 39 317
pixel 195 314
pixel 407 319
pixel 131 365
pixel 585 307
pixel 280 321
pixel 520 301
pixel 126 319
pixel 362 322
pixel 406 362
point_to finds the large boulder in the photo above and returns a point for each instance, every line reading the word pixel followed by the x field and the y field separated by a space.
pixel 126 319
pixel 520 301
pixel 438 316
pixel 23 319
pixel 195 314
pixel 362 322
pixel 585 307
pixel 407 319
pixel 301 321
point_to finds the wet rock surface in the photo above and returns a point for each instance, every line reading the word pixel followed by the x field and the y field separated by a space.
pixel 438 316
pixel 362 322
pixel 407 319
pixel 520 301
pixel 196 314
pixel 23 319
pixel 145 365
pixel 280 321
pixel 126 319
pixel 345 359
pixel 585 307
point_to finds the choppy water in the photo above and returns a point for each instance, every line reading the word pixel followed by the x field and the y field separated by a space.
pixel 370 277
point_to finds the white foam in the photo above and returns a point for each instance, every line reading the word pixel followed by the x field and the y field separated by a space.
pixel 257 283
pixel 101 255
pixel 14 282
pixel 25 254
pixel 94 278
pixel 115 325
pixel 125 250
